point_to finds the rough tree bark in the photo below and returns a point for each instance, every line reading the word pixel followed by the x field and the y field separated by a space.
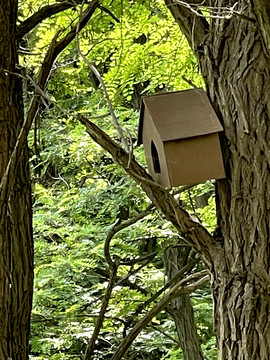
pixel 181 309
pixel 16 245
pixel 234 59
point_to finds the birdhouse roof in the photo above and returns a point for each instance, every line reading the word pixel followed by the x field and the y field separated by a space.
pixel 180 115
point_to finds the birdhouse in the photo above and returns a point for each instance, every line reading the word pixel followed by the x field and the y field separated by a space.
pixel 180 134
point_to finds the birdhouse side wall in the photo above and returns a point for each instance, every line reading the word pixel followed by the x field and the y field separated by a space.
pixel 194 160
pixel 154 151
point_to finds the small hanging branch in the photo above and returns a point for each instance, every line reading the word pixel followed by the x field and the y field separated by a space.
pixel 106 94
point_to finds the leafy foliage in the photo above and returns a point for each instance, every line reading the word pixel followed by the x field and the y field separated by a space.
pixel 80 193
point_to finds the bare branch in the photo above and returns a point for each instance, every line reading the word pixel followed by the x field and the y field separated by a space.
pixel 120 226
pixel 109 13
pixel 124 282
pixel 186 286
pixel 106 94
pixel 193 232
pixel 124 279
pixel 105 302
pixel 215 12
pixel 140 259
pixel 102 116
pixel 44 13
pixel 179 276
pixel 134 271
pixel 113 266
pixel 164 333
pixel 189 82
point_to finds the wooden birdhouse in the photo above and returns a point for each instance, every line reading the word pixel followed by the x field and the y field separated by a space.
pixel 179 131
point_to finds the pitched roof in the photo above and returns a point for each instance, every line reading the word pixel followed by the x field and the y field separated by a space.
pixel 181 114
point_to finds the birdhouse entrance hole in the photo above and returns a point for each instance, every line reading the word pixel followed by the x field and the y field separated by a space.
pixel 155 158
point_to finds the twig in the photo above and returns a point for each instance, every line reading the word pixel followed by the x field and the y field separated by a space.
pixel 214 11
pixel 134 271
pixel 109 13
pixel 99 116
pixel 190 82
pixel 183 188
pixel 120 226
pixel 105 317
pixel 164 333
pixel 140 259
pixel 126 282
pixel 175 279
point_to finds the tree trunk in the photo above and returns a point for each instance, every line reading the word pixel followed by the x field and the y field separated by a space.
pixel 241 93
pixel 181 308
pixel 16 243
pixel 233 58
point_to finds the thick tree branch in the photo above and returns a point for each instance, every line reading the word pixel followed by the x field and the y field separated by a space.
pixel 44 13
pixel 55 49
pixel 193 232
pixel 164 333
pixel 186 286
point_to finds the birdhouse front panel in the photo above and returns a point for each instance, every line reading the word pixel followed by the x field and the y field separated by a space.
pixel 179 132
pixel 154 150
pixel 194 160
